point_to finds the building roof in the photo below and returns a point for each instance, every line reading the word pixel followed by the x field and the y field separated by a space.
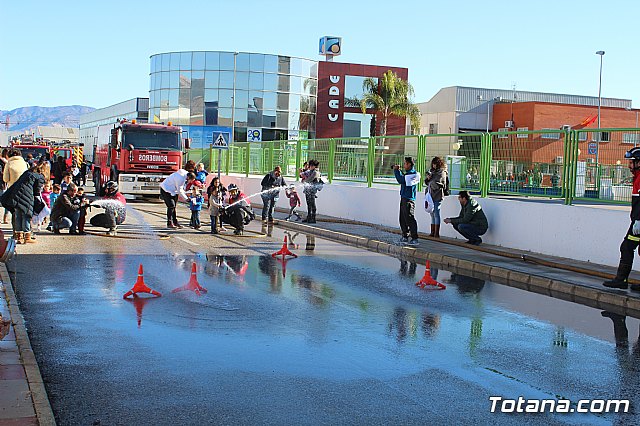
pixel 57 133
pixel 463 99
pixel 112 112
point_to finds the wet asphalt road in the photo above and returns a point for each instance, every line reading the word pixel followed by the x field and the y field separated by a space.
pixel 337 336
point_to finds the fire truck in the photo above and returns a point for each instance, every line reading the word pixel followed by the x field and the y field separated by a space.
pixel 41 148
pixel 137 156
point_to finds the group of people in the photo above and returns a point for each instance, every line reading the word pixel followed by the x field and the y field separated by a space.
pixel 32 199
pixel 229 205
pixel 470 223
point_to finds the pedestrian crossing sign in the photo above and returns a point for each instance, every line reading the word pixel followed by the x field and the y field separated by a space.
pixel 221 141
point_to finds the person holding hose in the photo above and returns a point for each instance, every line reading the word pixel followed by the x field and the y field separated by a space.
pixel 408 180
pixel 632 238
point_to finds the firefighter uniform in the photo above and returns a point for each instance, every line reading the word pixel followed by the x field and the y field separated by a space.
pixel 632 239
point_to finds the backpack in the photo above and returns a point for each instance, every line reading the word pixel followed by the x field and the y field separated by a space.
pixel 447 190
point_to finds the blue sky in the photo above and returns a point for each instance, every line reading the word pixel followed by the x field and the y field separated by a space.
pixel 96 53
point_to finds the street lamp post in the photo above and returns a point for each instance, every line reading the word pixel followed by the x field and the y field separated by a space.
pixel 601 54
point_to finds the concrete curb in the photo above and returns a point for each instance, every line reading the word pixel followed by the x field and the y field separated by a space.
pixel 32 371
pixel 619 302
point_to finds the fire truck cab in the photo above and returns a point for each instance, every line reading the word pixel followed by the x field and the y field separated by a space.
pixel 137 156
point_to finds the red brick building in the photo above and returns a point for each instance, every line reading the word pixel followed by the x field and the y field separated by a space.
pixel 552 116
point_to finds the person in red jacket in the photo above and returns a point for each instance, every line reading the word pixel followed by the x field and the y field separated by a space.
pixel 632 239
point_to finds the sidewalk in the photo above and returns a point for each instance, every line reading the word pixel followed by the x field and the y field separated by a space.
pixel 21 389
pixel 583 288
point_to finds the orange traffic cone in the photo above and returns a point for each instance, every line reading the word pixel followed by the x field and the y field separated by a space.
pixel 284 251
pixel 193 284
pixel 140 286
pixel 427 280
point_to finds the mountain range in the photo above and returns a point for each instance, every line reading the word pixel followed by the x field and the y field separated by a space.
pixel 29 117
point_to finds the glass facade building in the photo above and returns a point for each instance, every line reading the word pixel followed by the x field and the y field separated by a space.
pixel 264 97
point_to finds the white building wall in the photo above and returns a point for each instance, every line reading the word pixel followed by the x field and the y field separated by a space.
pixel 578 232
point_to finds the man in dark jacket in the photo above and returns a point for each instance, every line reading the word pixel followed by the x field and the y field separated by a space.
pixel 272 182
pixel 65 213
pixel 408 184
pixel 19 199
pixel 471 222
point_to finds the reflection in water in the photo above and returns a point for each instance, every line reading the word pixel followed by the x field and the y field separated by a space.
pixel 404 323
pixel 467 285
pixel 409 269
pixel 139 304
pixel 269 267
pixel 292 239
pixel 430 324
pixel 560 339
pixel 267 229
pixel 318 294
pixel 629 363
pixel 226 266
pixel 311 243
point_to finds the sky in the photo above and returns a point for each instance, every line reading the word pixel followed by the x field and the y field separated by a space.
pixel 96 53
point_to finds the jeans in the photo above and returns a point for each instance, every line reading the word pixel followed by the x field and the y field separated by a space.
pixel 311 203
pixel 214 224
pixel 470 232
pixel 195 218
pixel 435 214
pixel 171 201
pixel 70 222
pixel 20 222
pixel 293 211
pixel 408 223
pixel 268 205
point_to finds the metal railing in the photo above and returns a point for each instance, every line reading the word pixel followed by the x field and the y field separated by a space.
pixel 586 164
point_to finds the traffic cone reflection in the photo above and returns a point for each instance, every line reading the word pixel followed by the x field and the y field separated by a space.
pixel 284 251
pixel 139 303
pixel 428 281
pixel 140 286
pixel 193 284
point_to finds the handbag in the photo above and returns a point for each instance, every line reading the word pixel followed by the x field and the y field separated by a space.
pixel 38 205
pixel 428 202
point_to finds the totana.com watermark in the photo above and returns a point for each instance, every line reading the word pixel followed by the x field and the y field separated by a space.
pixel 521 405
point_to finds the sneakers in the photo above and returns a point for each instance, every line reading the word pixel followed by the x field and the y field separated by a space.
pixel 414 242
pixel 172 226
pixel 404 240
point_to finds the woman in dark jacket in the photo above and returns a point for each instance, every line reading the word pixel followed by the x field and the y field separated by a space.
pixel 21 199
pixel 436 183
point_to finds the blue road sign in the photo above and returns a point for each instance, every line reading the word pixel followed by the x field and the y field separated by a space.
pixel 221 140
pixel 593 148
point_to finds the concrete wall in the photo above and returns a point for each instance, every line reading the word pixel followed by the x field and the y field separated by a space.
pixel 578 232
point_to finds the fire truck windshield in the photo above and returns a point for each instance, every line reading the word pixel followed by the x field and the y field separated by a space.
pixel 37 153
pixel 150 139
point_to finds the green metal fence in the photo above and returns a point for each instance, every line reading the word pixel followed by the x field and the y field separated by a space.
pixel 586 164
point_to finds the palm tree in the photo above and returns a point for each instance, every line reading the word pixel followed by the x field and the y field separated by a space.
pixel 389 96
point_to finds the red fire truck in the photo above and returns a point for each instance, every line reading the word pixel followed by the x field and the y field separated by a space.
pixel 41 148
pixel 137 156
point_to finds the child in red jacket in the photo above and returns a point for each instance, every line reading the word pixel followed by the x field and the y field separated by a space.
pixel 294 202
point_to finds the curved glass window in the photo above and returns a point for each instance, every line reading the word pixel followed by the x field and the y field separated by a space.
pixel 256 62
pixel 226 61
pixel 185 61
pixel 256 81
pixel 272 92
pixel 175 62
pixel 242 62
pixel 212 60
pixel 197 63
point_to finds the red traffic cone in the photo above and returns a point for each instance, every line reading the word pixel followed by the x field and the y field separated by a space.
pixel 193 284
pixel 140 286
pixel 427 280
pixel 284 251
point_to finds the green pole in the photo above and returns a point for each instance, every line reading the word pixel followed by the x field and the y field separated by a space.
pixel 227 156
pixel 332 159
pixel 421 159
pixel 370 161
pixel 298 158
pixel 247 152
pixel 573 168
